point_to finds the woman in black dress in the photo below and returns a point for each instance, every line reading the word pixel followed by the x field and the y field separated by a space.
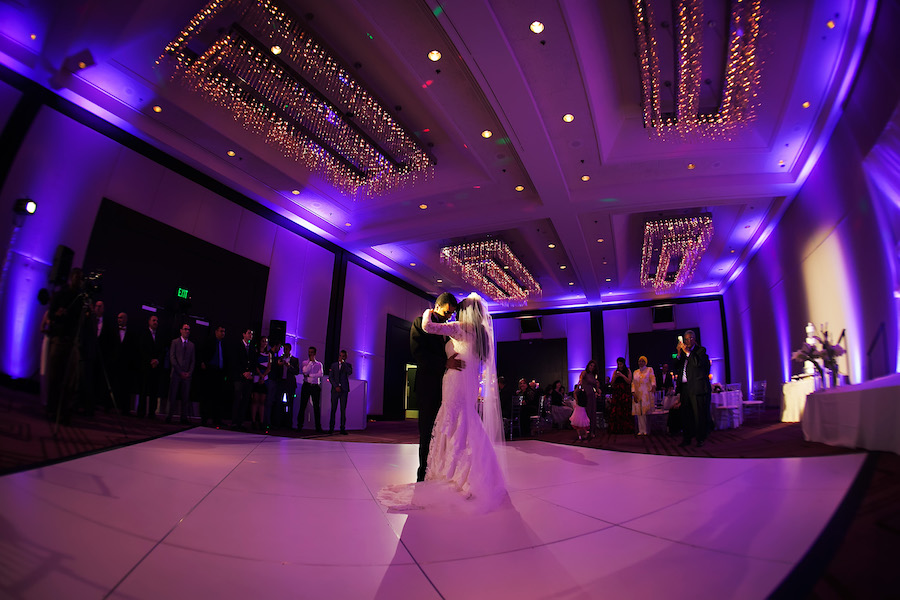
pixel 620 417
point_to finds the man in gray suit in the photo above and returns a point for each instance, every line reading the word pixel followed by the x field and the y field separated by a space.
pixel 181 357
pixel 339 378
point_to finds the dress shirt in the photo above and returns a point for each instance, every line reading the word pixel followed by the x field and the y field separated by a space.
pixel 312 372
pixel 99 325
pixel 121 334
pixel 687 353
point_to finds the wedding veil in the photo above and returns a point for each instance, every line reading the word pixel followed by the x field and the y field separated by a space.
pixel 474 317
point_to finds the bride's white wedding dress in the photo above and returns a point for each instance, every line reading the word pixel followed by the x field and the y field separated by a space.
pixel 463 471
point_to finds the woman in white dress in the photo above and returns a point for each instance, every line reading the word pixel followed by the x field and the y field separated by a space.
pixel 643 385
pixel 463 470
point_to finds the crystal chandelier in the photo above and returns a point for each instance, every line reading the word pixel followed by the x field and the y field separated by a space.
pixel 742 69
pixel 492 268
pixel 256 60
pixel 672 250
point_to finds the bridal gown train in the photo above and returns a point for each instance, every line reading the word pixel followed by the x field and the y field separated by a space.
pixel 463 471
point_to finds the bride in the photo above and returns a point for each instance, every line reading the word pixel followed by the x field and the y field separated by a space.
pixel 463 470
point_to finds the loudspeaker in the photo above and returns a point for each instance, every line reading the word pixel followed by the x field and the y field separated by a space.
pixel 62 264
pixel 277 332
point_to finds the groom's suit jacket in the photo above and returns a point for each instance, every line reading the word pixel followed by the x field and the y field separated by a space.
pixel 428 350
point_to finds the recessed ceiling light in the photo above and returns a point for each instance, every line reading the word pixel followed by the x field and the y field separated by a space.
pixel 562 266
pixel 551 246
pixel 600 240
pixel 691 166
pixel 230 153
pixel 412 264
pixel 487 133
pixel 157 108
pixel 33 36
pixel 347 224
pixel 506 267
pixel 608 279
pixel 780 163
pixel 295 192
pixel 571 283
pixel 732 250
pixel 805 104
pixel 604 262
pixel 568 117
pixel 82 65
pixel 423 206
pixel 434 56
pixel 520 188
pixel 829 24
pixel 536 27
pixel 276 49
pixel 585 177
pixel 440 281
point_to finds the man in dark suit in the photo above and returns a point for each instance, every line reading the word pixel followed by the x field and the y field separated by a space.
pixel 283 377
pixel 431 362
pixel 242 368
pixel 122 363
pixel 213 364
pixel 339 377
pixel 152 349
pixel 181 357
pixel 692 377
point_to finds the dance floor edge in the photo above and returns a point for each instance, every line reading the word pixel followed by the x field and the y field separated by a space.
pixel 209 513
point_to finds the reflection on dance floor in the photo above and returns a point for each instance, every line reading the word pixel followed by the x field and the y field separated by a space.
pixel 208 513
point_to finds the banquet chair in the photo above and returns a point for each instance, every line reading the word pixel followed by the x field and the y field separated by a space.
pixel 733 387
pixel 757 401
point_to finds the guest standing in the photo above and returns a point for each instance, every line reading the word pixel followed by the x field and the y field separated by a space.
pixel 620 418
pixel 262 360
pixel 588 382
pixel 643 386
pixel 242 368
pixel 692 373
pixel 152 350
pixel 339 378
pixel 181 357
pixel 311 389
pixel 215 397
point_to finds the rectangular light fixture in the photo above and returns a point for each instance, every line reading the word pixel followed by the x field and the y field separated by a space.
pixel 672 249
pixel 492 268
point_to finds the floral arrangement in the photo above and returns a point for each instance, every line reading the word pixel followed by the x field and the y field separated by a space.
pixel 828 352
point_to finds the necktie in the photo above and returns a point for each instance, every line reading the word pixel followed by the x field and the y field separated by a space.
pixel 219 354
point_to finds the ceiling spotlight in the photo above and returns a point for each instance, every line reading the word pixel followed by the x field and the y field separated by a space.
pixel 780 163
pixel 805 104
pixel 608 279
pixel 347 224
pixel 434 56
pixel 33 36
pixel 520 188
pixel 157 108
pixel 412 264
pixel 551 246
pixel 230 153
pixel 571 283
pixel 440 281
pixel 562 266
pixel 536 27
pixel 585 177
pixel 829 24
pixel 487 133
pixel 599 240
pixel 25 206
pixel 691 166
pixel 568 117
pixel 276 49
pixel 423 206
pixel 295 192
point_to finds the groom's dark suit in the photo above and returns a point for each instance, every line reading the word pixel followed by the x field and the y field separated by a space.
pixel 431 361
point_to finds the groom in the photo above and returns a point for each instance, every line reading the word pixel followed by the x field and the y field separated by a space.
pixel 431 362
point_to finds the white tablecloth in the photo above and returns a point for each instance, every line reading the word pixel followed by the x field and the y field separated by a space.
pixel 795 393
pixel 866 415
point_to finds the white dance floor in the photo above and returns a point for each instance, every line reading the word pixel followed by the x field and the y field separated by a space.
pixel 215 514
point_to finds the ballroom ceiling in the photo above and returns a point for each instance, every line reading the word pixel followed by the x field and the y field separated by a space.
pixel 587 186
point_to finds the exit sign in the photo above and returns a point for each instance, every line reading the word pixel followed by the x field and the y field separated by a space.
pixel 183 293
